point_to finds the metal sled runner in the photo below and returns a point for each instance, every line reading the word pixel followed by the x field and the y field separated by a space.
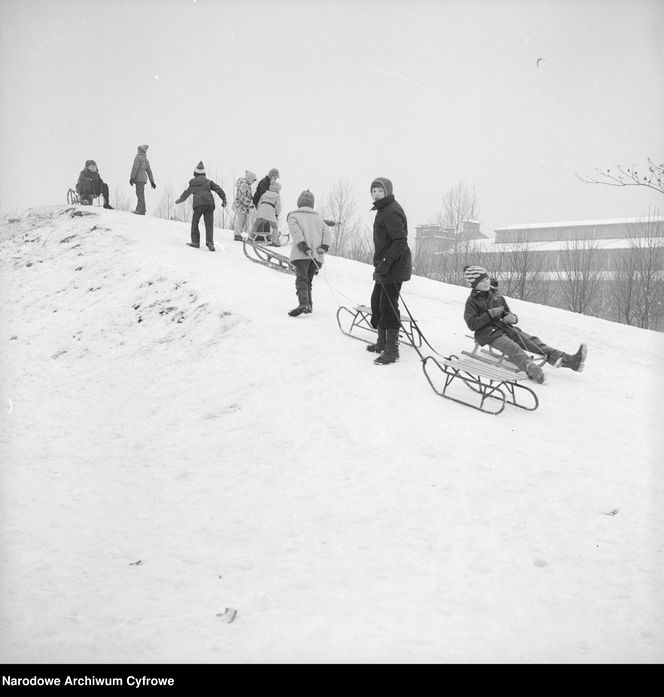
pixel 493 386
pixel 264 255
pixel 360 319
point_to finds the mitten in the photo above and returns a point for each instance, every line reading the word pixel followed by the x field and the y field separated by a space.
pixel 153 185
pixel 383 267
pixel 510 318
pixel 496 312
pixel 131 182
pixel 302 246
pixel 325 248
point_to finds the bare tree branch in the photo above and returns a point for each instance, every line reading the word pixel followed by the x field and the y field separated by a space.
pixel 624 176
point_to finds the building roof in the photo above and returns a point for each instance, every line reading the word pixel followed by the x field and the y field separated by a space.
pixel 557 245
pixel 582 223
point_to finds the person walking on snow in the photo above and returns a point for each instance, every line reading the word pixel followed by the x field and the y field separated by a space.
pixel 90 185
pixel 311 241
pixel 262 186
pixel 243 204
pixel 267 213
pixel 201 188
pixel 139 177
pixel 488 315
pixel 393 266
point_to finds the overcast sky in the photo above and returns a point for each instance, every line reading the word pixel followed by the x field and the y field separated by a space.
pixel 425 93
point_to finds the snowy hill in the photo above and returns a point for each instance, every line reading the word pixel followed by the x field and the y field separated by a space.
pixel 159 405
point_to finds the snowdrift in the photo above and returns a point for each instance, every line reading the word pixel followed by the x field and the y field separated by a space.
pixel 175 447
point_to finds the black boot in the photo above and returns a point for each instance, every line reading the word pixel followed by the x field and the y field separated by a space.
pixel 379 346
pixel 303 297
pixel 210 246
pixel 193 244
pixel 391 352
pixel 577 361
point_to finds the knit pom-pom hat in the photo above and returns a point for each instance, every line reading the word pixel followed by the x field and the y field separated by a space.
pixel 200 168
pixel 273 173
pixel 306 198
pixel 474 274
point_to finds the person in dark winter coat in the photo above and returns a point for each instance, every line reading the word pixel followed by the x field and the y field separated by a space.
pixel 201 188
pixel 311 241
pixel 90 185
pixel 393 266
pixel 140 172
pixel 488 315
pixel 263 186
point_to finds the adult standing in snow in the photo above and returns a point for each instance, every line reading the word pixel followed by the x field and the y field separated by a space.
pixel 243 204
pixel 267 214
pixel 262 186
pixel 488 315
pixel 392 266
pixel 311 240
pixel 201 188
pixel 90 185
pixel 139 177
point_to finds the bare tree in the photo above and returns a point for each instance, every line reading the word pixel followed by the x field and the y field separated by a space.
pixel 121 201
pixel 165 205
pixel 579 275
pixel 653 178
pixel 459 204
pixel 340 206
pixel 650 271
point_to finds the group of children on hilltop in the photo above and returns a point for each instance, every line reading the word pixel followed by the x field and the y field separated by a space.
pixel 486 312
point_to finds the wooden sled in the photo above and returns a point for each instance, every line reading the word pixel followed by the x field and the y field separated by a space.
pixel 487 388
pixel 492 356
pixel 260 254
pixel 360 319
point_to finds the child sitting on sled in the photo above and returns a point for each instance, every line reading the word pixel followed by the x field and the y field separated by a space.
pixel 488 315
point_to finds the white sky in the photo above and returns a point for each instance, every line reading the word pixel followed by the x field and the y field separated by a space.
pixel 425 93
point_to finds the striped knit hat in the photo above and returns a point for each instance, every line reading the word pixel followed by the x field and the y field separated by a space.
pixel 306 198
pixel 474 274
pixel 200 168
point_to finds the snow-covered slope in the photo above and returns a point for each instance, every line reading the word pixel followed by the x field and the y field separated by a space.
pixel 159 405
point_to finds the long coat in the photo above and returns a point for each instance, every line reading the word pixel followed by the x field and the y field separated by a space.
pixel 479 321
pixel 141 169
pixel 201 188
pixel 306 225
pixel 392 258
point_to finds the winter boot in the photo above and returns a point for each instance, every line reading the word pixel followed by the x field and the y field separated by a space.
pixel 391 351
pixel 303 297
pixel 193 244
pixel 379 346
pixel 535 373
pixel 237 237
pixel 577 361
pixel 210 246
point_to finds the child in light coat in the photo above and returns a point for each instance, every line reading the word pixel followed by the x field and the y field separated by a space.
pixel 268 211
pixel 311 240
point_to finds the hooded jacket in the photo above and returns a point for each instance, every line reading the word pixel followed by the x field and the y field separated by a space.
pixel 141 169
pixel 306 225
pixel 201 188
pixel 269 206
pixel 392 255
pixel 243 202
pixel 89 183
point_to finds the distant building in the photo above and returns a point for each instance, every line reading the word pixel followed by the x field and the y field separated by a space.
pixel 433 239
pixel 551 243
